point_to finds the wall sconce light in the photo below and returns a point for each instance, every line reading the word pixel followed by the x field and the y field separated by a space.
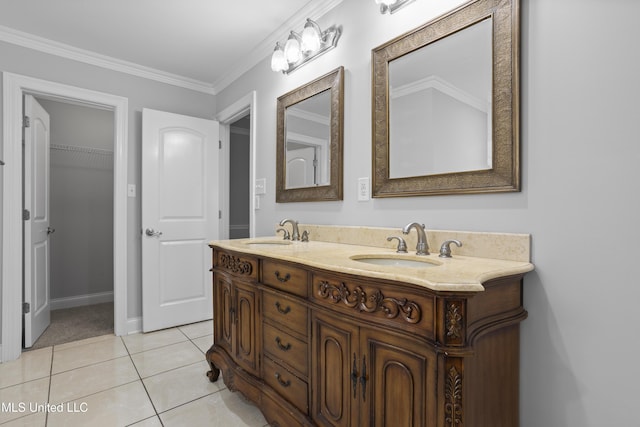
pixel 302 48
pixel 392 6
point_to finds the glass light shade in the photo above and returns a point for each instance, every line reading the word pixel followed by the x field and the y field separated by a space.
pixel 278 61
pixel 292 50
pixel 310 37
pixel 386 2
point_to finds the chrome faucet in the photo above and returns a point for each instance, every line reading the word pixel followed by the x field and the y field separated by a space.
pixel 422 248
pixel 295 234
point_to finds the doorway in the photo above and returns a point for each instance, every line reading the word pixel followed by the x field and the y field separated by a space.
pixel 81 219
pixel 14 87
pixel 239 163
pixel 238 118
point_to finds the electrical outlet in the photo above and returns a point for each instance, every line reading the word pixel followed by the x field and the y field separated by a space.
pixel 363 189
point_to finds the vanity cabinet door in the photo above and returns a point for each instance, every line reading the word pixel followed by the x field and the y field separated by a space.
pixel 246 328
pixel 397 381
pixel 334 381
pixel 223 318
pixel 235 321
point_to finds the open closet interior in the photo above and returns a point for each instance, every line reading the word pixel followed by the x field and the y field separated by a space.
pixel 81 211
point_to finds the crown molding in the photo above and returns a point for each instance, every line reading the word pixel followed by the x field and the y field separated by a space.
pixel 264 49
pixel 51 47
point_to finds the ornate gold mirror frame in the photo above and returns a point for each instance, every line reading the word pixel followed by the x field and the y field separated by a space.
pixel 333 82
pixel 504 173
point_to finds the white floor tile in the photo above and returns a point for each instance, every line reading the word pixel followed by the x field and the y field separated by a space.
pixel 137 343
pixel 197 330
pixel 166 358
pixel 87 354
pixel 34 420
pixel 21 399
pixel 204 343
pixel 149 422
pixel 120 406
pixel 77 383
pixel 30 366
pixel 218 409
pixel 173 388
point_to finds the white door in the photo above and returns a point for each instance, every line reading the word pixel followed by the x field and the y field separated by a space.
pixel 301 168
pixel 36 228
pixel 179 217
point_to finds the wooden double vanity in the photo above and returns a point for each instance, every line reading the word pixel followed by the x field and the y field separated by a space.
pixel 315 334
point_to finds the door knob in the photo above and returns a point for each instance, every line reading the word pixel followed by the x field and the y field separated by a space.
pixel 50 230
pixel 152 233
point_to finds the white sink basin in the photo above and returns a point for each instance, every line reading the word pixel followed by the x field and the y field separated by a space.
pixel 394 261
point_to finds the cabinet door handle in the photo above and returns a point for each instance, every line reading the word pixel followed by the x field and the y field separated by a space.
pixel 281 310
pixel 363 377
pixel 283 347
pixel 286 383
pixel 282 279
pixel 354 376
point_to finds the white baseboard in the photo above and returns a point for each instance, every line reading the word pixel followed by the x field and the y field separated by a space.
pixel 80 300
pixel 134 325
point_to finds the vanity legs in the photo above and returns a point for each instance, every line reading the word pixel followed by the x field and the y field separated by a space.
pixel 214 373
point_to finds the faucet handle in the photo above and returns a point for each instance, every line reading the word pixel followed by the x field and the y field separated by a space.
pixel 402 245
pixel 285 232
pixel 305 236
pixel 445 249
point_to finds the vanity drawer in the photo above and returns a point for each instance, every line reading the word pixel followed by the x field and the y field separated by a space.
pixel 238 265
pixel 379 302
pixel 286 384
pixel 283 346
pixel 285 277
pixel 286 311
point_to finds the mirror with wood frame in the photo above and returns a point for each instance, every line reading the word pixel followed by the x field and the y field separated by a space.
pixel 445 102
pixel 309 141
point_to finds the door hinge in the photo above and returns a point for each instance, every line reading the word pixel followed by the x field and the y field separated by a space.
pixel 26 307
pixel 26 215
pixel 219 214
pixel 219 144
pixel 26 121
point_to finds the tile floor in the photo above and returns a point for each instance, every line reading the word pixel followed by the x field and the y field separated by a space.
pixel 141 380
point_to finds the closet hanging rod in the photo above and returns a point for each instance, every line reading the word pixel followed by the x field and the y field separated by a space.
pixel 78 149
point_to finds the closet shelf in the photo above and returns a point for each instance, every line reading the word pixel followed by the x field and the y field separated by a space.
pixel 87 150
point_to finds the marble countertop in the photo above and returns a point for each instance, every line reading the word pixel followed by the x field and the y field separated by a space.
pixel 460 273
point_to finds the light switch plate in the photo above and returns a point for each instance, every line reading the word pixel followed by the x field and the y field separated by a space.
pixel 131 190
pixel 261 186
pixel 363 189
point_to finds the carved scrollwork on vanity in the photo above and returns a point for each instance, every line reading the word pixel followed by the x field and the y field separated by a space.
pixel 358 299
pixel 235 264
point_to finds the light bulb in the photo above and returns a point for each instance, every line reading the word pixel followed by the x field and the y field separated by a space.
pixel 310 37
pixel 292 49
pixel 278 61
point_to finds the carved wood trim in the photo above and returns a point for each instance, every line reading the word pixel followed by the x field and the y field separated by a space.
pixel 453 409
pixel 454 320
pixel 358 299
pixel 236 264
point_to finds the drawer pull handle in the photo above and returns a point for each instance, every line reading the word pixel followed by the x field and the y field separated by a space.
pixel 282 279
pixel 286 383
pixel 363 377
pixel 282 310
pixel 282 347
pixel 354 376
